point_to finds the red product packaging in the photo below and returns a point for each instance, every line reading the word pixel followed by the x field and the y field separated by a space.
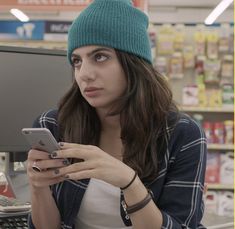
pixel 209 131
pixel 213 168
pixel 219 132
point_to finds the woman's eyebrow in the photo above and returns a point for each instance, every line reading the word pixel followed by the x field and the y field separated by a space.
pixel 94 51
pixel 74 55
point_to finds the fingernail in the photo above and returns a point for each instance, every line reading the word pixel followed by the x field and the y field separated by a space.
pixel 65 162
pixel 61 143
pixel 56 171
pixel 53 155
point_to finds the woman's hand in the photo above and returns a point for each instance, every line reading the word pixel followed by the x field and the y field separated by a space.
pixel 47 165
pixel 97 164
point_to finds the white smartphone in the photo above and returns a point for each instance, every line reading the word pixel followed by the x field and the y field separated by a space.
pixel 41 139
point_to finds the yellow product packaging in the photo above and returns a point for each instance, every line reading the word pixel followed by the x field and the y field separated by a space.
pixel 212 45
pixel 200 42
pixel 176 66
pixel 224 38
pixel 179 37
pixel 212 70
pixel 229 129
pixel 161 65
pixel 227 66
pixel 189 60
pixel 214 97
pixel 202 98
pixel 166 40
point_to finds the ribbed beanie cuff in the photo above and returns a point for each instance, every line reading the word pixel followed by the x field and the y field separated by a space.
pixel 111 23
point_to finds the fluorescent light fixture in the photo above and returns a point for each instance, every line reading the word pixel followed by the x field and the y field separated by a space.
pixel 219 9
pixel 20 15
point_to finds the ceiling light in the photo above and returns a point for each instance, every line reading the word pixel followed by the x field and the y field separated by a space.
pixel 20 15
pixel 219 9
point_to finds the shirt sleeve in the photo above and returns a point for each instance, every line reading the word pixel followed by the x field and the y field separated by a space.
pixel 30 222
pixel 48 120
pixel 181 202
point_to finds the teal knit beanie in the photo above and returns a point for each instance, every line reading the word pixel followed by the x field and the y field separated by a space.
pixel 111 23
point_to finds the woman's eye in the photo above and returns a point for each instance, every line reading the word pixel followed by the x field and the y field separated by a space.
pixel 100 57
pixel 76 62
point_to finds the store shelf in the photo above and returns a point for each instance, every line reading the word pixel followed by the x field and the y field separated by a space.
pixel 61 45
pixel 220 147
pixel 220 186
pixel 207 109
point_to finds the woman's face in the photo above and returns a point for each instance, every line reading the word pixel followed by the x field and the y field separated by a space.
pixel 99 75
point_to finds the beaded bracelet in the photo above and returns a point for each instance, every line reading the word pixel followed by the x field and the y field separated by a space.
pixel 136 207
pixel 130 182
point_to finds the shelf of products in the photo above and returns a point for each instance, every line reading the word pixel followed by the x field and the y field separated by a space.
pixel 198 62
pixel 207 109
pixel 59 45
pixel 220 147
pixel 220 187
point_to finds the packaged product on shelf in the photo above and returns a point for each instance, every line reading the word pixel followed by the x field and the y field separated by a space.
pixel 202 96
pixel 231 43
pixel 190 95
pixel 229 126
pixel 189 60
pixel 198 118
pixel 165 44
pixel 212 69
pixel 227 95
pixel 209 131
pixel 219 133
pixel 225 203
pixel 214 97
pixel 226 168
pixel 211 202
pixel 161 65
pixel 227 66
pixel 200 40
pixel 199 78
pixel 212 45
pixel 213 168
pixel 176 66
pixel 200 64
pixel 179 37
pixel 224 38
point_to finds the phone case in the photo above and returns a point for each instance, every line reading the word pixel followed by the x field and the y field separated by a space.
pixel 41 139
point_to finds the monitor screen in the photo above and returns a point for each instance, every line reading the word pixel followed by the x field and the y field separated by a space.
pixel 31 82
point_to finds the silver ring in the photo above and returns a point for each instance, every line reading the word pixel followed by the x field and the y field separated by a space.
pixel 35 167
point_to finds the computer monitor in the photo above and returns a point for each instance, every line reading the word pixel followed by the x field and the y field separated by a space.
pixel 31 82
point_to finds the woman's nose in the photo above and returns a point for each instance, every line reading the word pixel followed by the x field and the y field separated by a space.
pixel 86 71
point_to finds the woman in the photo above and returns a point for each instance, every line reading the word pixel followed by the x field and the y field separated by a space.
pixel 136 162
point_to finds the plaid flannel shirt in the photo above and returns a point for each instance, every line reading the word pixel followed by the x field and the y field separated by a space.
pixel 178 188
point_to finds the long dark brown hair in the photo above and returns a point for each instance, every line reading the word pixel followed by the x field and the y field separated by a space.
pixel 144 110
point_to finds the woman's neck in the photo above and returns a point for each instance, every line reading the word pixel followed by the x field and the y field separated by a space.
pixel 110 140
pixel 109 123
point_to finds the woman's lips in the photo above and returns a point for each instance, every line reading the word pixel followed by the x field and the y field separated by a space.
pixel 92 91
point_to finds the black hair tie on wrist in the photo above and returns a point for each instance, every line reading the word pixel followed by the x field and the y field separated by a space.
pixel 130 182
pixel 138 206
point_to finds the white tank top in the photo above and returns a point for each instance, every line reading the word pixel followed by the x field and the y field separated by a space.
pixel 100 207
